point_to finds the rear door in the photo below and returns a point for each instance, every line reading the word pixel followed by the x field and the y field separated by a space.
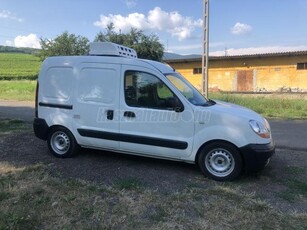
pixel 96 108
pixel 153 120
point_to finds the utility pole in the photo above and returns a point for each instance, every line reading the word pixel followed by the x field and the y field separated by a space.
pixel 205 46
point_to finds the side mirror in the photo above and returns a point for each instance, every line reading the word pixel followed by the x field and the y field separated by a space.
pixel 179 109
pixel 174 104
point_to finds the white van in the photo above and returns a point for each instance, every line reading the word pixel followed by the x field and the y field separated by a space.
pixel 112 100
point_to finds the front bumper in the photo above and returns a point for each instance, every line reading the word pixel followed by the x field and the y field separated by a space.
pixel 256 156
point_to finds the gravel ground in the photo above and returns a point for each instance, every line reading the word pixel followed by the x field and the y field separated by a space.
pixel 100 167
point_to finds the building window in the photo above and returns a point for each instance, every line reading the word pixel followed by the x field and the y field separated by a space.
pixel 302 65
pixel 197 71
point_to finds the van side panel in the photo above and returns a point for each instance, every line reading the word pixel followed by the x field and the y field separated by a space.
pixel 55 98
pixel 58 84
pixel 96 105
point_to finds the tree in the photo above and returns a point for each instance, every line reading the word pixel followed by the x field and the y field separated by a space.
pixel 146 46
pixel 64 45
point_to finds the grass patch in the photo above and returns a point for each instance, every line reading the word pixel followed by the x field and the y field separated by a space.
pixel 13 125
pixel 4 196
pixel 17 90
pixel 129 183
pixel 274 105
pixel 298 187
pixel 31 198
pixel 295 183
pixel 295 171
pixel 296 190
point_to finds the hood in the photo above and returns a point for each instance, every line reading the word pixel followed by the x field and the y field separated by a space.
pixel 236 110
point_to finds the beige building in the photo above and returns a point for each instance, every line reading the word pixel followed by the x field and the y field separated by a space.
pixel 274 72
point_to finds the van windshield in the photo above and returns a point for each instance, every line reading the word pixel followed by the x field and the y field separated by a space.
pixel 187 90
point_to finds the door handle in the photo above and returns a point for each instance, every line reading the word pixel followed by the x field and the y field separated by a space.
pixel 110 114
pixel 129 114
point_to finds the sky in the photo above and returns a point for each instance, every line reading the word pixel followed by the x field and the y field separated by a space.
pixel 235 26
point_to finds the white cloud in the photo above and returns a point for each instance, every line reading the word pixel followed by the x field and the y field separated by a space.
pixel 130 3
pixel 121 23
pixel 258 50
pixel 9 43
pixel 5 14
pixel 240 28
pixel 31 41
pixel 156 19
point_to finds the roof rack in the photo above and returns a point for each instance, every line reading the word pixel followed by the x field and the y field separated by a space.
pixel 111 49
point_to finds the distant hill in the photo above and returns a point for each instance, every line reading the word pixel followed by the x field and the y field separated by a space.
pixel 173 56
pixel 12 49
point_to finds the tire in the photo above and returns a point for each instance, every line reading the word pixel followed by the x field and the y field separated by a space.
pixel 62 143
pixel 220 161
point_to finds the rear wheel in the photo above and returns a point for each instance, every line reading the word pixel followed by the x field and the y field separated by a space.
pixel 220 161
pixel 62 143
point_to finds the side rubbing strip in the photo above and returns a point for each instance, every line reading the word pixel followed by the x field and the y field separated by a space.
pixel 134 139
pixel 60 106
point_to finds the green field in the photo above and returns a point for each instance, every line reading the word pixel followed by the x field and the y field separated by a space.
pixel 18 66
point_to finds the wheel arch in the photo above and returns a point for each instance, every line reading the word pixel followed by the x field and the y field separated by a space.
pixel 61 141
pixel 214 141
pixel 228 164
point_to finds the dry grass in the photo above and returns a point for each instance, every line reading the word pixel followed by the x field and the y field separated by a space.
pixel 31 198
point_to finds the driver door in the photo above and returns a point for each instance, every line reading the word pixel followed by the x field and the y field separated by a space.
pixel 152 118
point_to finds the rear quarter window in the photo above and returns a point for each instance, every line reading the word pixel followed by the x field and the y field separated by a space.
pixel 58 83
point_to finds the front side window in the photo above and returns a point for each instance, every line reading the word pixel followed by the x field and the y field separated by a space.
pixel 146 90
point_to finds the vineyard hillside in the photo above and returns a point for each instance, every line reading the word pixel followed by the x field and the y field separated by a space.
pixel 19 66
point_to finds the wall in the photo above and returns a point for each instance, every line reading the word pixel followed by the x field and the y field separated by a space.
pixel 186 69
pixel 249 74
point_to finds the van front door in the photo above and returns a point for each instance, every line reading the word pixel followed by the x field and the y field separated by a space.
pixel 96 109
pixel 153 120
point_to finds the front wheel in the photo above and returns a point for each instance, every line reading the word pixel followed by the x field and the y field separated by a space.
pixel 61 142
pixel 220 161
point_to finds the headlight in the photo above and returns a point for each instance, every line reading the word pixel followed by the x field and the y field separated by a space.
pixel 260 129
